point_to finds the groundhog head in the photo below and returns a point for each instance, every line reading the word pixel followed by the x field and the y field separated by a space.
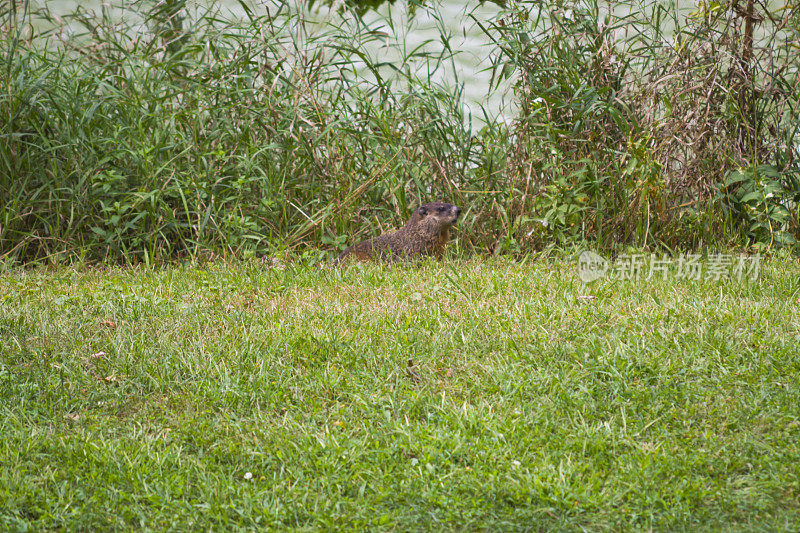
pixel 444 214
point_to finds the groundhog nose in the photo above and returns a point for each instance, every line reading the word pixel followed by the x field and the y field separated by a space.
pixel 458 211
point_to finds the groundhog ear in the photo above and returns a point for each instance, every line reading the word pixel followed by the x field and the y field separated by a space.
pixel 423 210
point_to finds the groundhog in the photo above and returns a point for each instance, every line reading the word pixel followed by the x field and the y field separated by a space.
pixel 425 234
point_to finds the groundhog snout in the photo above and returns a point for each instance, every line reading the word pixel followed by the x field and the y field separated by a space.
pixel 453 213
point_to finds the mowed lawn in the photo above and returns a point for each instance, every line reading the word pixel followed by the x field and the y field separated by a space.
pixel 469 395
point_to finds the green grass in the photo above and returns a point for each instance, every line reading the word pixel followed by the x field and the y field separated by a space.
pixel 671 405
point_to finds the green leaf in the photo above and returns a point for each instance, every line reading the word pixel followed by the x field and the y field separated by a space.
pixel 755 195
pixel 735 177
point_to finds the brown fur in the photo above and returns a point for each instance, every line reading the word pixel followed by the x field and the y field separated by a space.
pixel 425 234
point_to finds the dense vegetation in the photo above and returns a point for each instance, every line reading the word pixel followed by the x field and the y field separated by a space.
pixel 165 131
pixel 481 395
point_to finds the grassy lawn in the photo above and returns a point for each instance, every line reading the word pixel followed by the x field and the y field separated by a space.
pixel 240 396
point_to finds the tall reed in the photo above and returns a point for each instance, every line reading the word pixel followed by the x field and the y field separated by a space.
pixel 162 130
pixel 641 124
